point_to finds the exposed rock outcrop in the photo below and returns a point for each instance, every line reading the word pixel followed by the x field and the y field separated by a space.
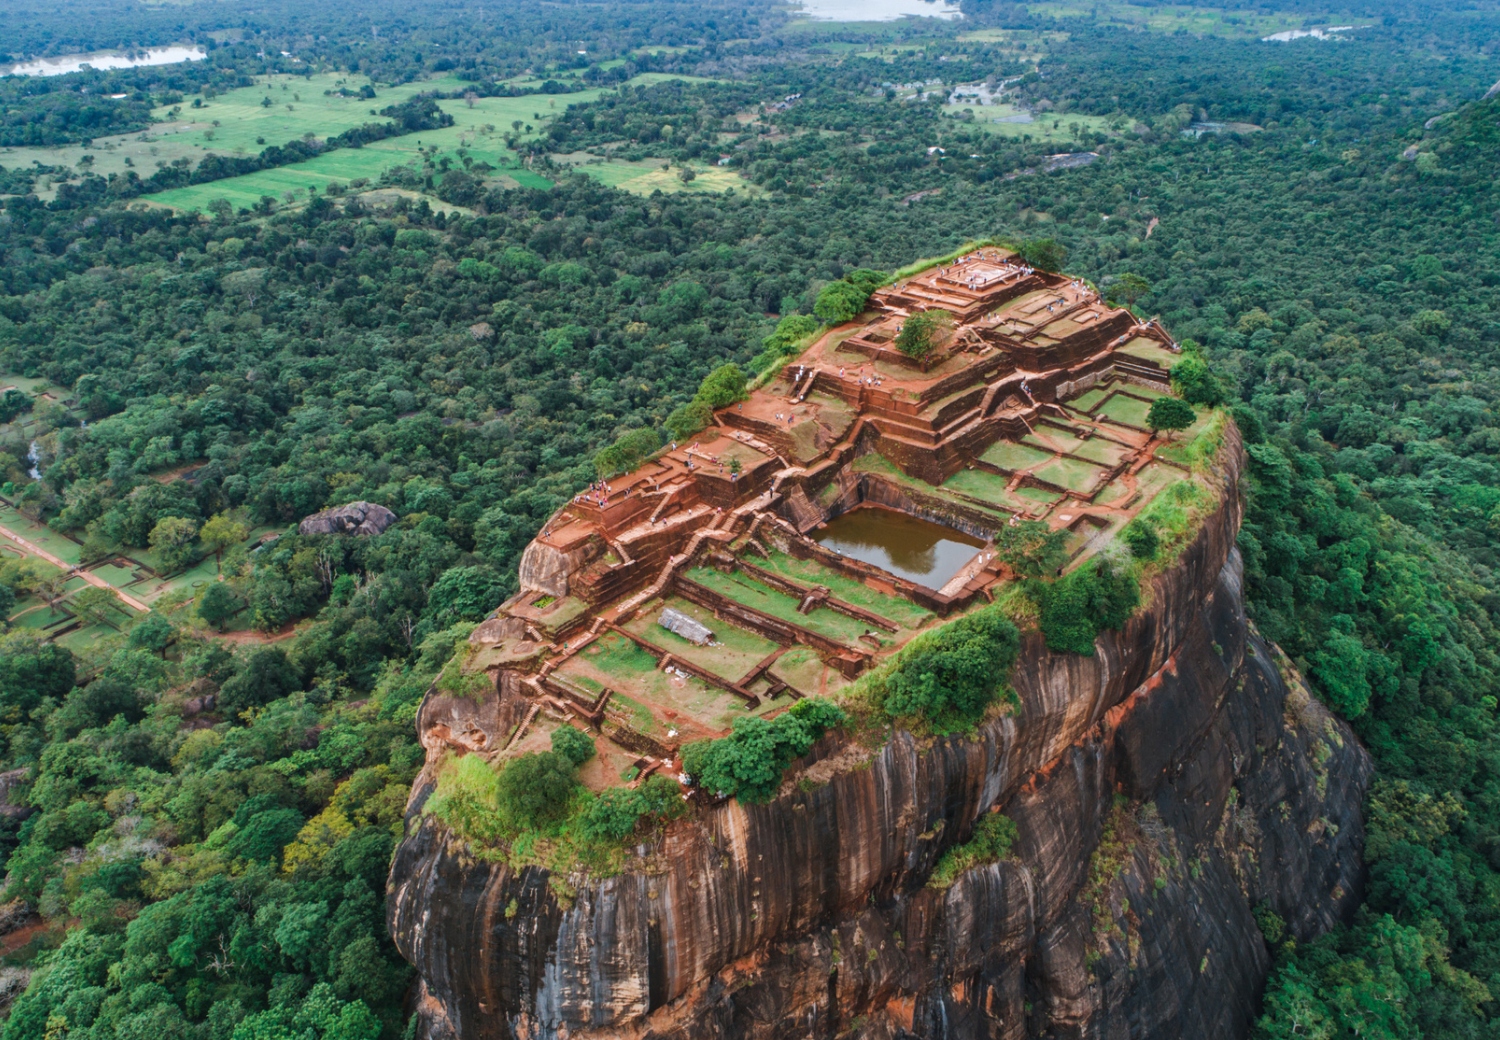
pixel 362 518
pixel 1161 790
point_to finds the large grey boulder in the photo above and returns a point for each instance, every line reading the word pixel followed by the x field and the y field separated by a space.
pixel 363 518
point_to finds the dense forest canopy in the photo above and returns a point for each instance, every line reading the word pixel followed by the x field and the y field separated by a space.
pixel 202 823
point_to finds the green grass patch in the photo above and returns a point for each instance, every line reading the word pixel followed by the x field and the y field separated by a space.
pixel 937 261
pixel 1070 128
pixel 1014 457
pixel 1086 401
pixel 1123 408
pixel 738 650
pixel 617 657
pixel 751 593
pixel 478 130
pixel 1103 451
pixel 803 670
pixel 1199 21
pixel 1072 474
pixel 896 609
pixel 1175 514
pixel 1050 438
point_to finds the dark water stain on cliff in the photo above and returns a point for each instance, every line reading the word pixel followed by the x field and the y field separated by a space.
pixel 907 546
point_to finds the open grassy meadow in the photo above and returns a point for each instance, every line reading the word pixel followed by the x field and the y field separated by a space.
pixel 278 109
pixel 1011 121
pixel 1168 18
pixel 233 123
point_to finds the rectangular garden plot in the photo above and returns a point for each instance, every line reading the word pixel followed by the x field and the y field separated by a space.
pixel 1103 451
pixel 1012 457
pixel 1072 474
pixel 896 609
pixel 1086 401
pixel 1051 438
pixel 659 700
pixel 1123 408
pixel 751 593
pixel 738 651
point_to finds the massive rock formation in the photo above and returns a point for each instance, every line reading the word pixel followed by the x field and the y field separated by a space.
pixel 1162 790
pixel 361 518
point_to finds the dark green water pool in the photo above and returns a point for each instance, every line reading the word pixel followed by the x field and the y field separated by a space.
pixel 915 549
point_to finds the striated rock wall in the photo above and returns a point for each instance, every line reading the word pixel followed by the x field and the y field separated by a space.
pixel 1161 790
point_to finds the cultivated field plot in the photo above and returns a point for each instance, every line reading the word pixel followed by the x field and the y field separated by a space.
pixel 615 662
pixel 1154 477
pixel 192 134
pixel 804 671
pixel 1052 438
pixel 991 488
pixel 1089 399
pixel 40 535
pixel 478 129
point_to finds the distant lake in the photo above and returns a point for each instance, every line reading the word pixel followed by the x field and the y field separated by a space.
pixel 107 60
pixel 877 10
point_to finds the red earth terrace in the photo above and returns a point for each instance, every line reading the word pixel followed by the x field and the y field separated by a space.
pixel 845 505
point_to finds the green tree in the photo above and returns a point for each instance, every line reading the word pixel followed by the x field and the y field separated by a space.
pixel 1196 383
pixel 576 747
pixel 152 632
pixel 951 676
pixel 1031 547
pixel 750 761
pixel 534 789
pixel 1046 254
pixel 95 606
pixel 1170 414
pixel 218 604
pixel 922 332
pixel 464 594
pixel 220 532
pixel 839 302
pixel 723 386
pixel 1142 539
pixel 52 587
pixel 172 541
pixel 628 451
pixel 1081 604
pixel 1129 287
pixel 267 676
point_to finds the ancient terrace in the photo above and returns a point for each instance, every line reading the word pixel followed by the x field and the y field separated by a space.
pixel 847 504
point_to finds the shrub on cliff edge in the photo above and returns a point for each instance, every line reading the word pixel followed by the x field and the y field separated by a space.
pixel 749 762
pixel 1077 607
pixel 950 677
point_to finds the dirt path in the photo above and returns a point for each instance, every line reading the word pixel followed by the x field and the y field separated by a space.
pixel 251 636
pixel 70 570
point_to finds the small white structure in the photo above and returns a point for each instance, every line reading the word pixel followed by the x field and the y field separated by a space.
pixel 678 623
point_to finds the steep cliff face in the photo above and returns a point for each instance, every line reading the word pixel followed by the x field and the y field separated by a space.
pixel 1161 790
